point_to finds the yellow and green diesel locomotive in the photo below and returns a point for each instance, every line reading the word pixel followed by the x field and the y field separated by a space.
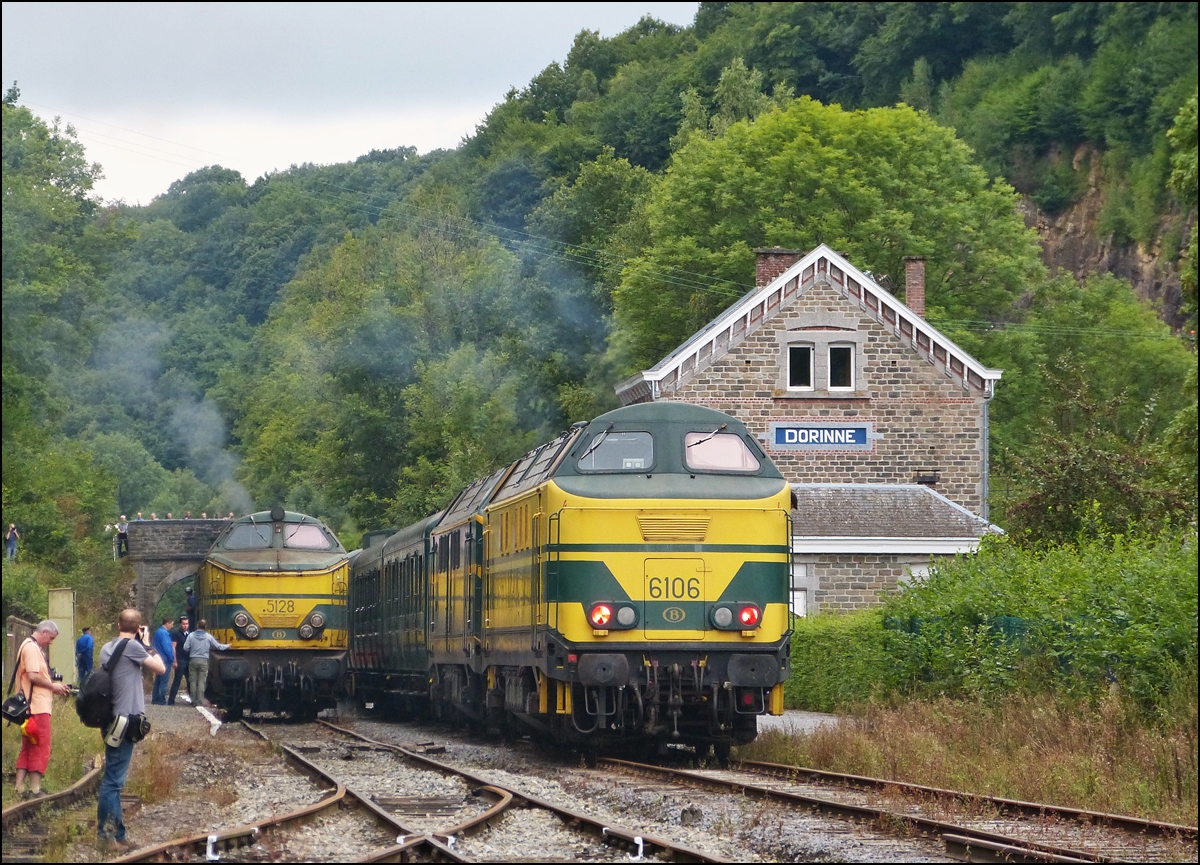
pixel 274 588
pixel 626 581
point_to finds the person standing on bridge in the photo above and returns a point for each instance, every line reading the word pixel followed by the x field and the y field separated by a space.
pixel 198 645
pixel 33 679
pixel 128 699
pixel 166 650
pixel 84 648
pixel 178 638
pixel 123 536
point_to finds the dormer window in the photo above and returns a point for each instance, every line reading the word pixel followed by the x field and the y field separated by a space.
pixel 841 367
pixel 800 367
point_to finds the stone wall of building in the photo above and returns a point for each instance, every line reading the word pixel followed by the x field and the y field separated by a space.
pixel 927 424
pixel 844 582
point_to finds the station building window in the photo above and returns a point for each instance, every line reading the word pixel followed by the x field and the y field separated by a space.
pixel 841 367
pixel 800 367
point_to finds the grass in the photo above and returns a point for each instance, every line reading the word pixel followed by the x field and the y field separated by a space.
pixel 72 748
pixel 1106 756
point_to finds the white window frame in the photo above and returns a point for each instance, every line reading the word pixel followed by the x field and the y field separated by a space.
pixel 812 366
pixel 848 346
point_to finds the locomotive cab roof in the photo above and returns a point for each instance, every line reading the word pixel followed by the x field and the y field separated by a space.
pixel 667 449
pixel 277 540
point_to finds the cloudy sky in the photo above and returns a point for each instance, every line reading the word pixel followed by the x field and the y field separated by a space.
pixel 157 90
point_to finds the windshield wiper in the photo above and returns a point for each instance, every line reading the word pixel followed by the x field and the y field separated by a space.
pixel 595 444
pixel 707 437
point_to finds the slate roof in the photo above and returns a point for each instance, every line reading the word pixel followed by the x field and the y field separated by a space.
pixel 747 315
pixel 880 511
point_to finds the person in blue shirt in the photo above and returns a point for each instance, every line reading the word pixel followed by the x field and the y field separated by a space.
pixel 84 648
pixel 166 651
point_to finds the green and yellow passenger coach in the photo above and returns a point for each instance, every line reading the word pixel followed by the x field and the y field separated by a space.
pixel 274 588
pixel 627 581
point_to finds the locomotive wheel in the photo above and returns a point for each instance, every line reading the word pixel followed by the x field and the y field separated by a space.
pixel 233 713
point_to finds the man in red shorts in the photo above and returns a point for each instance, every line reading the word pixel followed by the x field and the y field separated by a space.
pixel 33 678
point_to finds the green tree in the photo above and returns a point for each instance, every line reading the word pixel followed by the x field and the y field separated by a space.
pixel 877 184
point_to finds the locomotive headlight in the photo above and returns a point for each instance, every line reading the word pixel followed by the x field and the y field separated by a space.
pixel 252 631
pixel 318 620
pixel 626 616
pixel 749 616
pixel 601 615
pixel 722 617
pixel 306 631
pixel 241 620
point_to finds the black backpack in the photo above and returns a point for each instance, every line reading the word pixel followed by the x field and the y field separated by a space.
pixel 93 703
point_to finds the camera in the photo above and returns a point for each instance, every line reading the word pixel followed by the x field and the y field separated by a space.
pixel 55 675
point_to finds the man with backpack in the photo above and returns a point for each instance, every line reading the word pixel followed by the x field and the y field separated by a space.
pixel 132 652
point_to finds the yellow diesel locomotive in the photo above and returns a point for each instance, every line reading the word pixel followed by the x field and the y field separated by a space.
pixel 274 588
pixel 624 582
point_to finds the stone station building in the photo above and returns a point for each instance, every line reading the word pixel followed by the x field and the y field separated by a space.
pixel 878 420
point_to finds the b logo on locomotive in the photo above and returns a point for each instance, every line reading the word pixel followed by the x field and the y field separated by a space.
pixel 674 614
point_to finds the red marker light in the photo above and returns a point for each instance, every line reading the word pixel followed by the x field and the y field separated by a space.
pixel 748 617
pixel 747 699
pixel 601 615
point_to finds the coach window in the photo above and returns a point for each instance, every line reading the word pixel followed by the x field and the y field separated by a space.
pixel 800 367
pixel 841 367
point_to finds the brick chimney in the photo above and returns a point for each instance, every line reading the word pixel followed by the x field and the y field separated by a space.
pixel 770 263
pixel 914 283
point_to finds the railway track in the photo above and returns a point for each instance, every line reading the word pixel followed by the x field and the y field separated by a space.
pixel 973 828
pixel 27 825
pixel 559 832
pixel 361 829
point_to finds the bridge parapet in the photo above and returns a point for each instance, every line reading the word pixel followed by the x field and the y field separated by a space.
pixel 156 539
pixel 163 552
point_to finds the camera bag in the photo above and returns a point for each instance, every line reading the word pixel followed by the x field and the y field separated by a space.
pixel 16 706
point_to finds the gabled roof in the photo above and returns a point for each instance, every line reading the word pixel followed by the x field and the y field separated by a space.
pixel 893 518
pixel 747 315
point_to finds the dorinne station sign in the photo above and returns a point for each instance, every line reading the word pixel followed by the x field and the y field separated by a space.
pixel 802 435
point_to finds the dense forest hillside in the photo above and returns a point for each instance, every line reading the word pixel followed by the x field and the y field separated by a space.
pixel 358 340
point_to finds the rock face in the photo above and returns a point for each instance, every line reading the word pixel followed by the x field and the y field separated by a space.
pixel 1071 242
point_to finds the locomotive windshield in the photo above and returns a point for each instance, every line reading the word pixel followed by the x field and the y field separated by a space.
pixel 305 537
pixel 720 452
pixel 249 537
pixel 618 452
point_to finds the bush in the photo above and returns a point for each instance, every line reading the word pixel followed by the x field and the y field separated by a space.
pixel 837 661
pixel 1112 613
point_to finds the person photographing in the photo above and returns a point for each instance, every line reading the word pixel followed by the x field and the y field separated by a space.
pixel 33 680
pixel 129 721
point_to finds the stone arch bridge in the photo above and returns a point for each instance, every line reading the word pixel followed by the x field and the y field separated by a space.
pixel 163 552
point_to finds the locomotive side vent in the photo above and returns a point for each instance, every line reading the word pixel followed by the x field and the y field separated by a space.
pixel 693 529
